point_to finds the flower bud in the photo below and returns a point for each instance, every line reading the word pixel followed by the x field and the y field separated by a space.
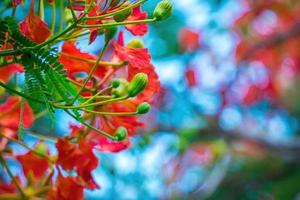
pixel 115 83
pixel 121 133
pixel 122 89
pixel 120 17
pixel 163 10
pixel 137 84
pixel 135 43
pixel 110 32
pixel 143 108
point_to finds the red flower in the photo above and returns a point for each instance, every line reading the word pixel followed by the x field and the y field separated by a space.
pixel 10 113
pixel 6 72
pixel 79 157
pixel 66 188
pixel 33 164
pixel 137 29
pixel 34 28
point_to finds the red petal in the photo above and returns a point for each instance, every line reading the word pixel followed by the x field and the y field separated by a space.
pixel 33 164
pixel 137 29
pixel 10 111
pixel 34 28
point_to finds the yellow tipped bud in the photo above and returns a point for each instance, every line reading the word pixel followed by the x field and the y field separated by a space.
pixel 135 43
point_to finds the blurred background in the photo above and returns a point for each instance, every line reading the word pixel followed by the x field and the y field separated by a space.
pixel 226 124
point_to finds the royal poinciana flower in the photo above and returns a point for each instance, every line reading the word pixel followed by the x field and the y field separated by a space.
pixel 105 93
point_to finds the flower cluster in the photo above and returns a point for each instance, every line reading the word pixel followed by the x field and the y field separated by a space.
pixel 105 93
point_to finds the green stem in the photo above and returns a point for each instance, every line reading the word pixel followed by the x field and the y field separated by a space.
pixel 91 72
pixel 117 23
pixel 72 10
pixel 69 28
pixel 5 166
pixel 96 95
pixel 26 147
pixel 92 104
pixel 62 16
pixel 110 113
pixel 102 133
pixel 53 16
pixel 41 137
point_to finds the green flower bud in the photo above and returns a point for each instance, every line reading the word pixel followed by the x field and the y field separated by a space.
pixel 120 17
pixel 143 108
pixel 121 133
pixel 122 89
pixel 163 10
pixel 110 32
pixel 137 84
pixel 135 43
pixel 115 83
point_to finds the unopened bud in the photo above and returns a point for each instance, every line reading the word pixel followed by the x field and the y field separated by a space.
pixel 135 43
pixel 143 108
pixel 137 84
pixel 122 89
pixel 115 83
pixel 120 17
pixel 163 10
pixel 121 133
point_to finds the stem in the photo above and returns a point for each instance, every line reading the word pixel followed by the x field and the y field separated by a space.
pixel 92 104
pixel 20 93
pixel 80 85
pixel 110 113
pixel 41 137
pixel 72 10
pixel 61 23
pixel 117 23
pixel 26 147
pixel 102 133
pixel 4 164
pixel 41 10
pixel 118 11
pixel 69 28
pixel 91 72
pixel 97 94
pixel 53 16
